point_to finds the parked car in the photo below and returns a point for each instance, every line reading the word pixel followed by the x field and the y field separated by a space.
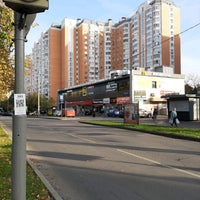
pixel 88 112
pixel 121 113
pixel 7 113
pixel 43 112
pixel 1 111
pixel 113 113
pixel 68 112
pixel 144 113
pixel 57 113
pixel 34 113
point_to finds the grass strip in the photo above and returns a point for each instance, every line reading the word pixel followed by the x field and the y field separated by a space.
pixel 184 133
pixel 36 190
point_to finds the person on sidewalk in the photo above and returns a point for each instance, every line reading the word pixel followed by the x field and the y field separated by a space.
pixel 93 112
pixel 173 118
pixel 155 114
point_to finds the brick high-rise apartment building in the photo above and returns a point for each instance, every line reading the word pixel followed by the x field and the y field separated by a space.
pixel 80 51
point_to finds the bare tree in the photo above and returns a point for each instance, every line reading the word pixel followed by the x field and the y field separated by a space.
pixel 192 83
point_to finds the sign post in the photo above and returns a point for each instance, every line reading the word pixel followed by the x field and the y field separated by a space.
pixel 19 119
pixel 24 16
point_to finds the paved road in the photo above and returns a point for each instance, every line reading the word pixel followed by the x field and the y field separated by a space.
pixel 86 162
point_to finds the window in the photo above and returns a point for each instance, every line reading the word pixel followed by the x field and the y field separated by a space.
pixel 154 84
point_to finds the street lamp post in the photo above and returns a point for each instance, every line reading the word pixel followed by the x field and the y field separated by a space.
pixel 24 17
pixel 19 120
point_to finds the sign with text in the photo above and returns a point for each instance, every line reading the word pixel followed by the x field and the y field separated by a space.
pixel 111 87
pixel 123 100
pixel 20 104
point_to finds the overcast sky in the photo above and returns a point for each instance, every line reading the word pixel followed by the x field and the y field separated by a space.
pixel 102 10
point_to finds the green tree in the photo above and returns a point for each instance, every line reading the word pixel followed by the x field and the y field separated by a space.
pixel 6 43
pixel 32 102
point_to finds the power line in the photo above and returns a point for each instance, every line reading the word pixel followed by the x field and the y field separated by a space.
pixel 190 28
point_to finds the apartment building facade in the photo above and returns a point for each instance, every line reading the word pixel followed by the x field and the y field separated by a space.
pixel 89 51
pixel 40 66
pixel 156 37
pixel 81 51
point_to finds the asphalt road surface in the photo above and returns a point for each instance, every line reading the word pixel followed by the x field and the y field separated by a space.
pixel 86 162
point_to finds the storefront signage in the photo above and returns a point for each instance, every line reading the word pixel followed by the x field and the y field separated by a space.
pixel 90 90
pixel 84 91
pixel 74 103
pixel 123 100
pixel 97 101
pixel 111 87
pixel 139 94
pixel 106 100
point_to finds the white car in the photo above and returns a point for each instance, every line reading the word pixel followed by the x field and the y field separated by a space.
pixel 144 113
pixel 57 113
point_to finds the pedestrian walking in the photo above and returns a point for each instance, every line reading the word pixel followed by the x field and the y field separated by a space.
pixel 173 118
pixel 155 114
pixel 82 111
pixel 94 112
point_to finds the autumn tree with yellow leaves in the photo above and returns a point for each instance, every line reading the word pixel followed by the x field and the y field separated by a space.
pixel 6 46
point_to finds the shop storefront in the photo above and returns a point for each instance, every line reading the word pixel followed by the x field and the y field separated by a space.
pixel 115 93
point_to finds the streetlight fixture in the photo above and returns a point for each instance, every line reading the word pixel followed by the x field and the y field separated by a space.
pixel 27 6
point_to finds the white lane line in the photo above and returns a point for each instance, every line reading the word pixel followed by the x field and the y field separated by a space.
pixel 75 136
pixel 158 163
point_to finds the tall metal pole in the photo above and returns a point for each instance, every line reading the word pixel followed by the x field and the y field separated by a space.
pixel 19 121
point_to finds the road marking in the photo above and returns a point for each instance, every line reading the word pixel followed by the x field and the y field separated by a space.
pixel 158 163
pixel 75 136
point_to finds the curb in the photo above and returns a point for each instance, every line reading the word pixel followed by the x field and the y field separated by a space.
pixel 49 187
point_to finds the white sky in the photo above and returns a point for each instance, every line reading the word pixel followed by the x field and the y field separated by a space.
pixel 102 10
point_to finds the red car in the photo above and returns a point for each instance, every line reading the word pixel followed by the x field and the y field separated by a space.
pixel 68 112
